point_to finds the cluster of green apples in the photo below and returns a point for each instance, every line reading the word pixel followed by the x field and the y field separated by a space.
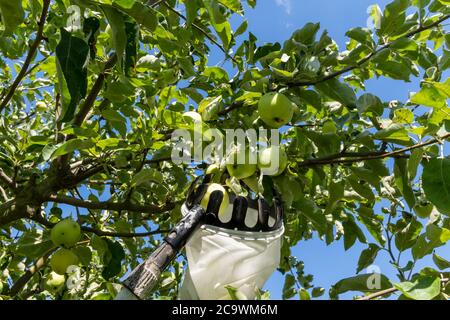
pixel 65 234
pixel 275 110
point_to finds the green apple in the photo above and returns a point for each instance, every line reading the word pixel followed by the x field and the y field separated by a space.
pixel 41 106
pixel 240 170
pixel 423 210
pixel 62 259
pixel 267 161
pixel 66 233
pixel 225 200
pixel 54 282
pixel 275 109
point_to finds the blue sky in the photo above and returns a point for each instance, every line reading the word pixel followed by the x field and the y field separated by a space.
pixel 275 20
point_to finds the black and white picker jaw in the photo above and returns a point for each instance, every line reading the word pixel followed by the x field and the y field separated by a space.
pixel 140 283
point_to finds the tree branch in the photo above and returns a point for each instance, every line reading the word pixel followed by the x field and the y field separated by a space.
pixel 7 180
pixel 92 96
pixel 350 158
pixel 388 291
pixel 102 233
pixel 367 58
pixel 114 206
pixel 26 277
pixel 29 57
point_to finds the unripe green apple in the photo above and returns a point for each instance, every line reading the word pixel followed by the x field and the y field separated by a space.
pixel 423 210
pixel 66 233
pixel 240 170
pixel 267 161
pixel 275 109
pixel 54 282
pixel 62 259
pixel 41 106
pixel 225 200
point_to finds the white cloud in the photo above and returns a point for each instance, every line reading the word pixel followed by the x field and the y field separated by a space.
pixel 286 4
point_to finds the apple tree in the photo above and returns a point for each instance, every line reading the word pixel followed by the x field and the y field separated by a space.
pixel 90 92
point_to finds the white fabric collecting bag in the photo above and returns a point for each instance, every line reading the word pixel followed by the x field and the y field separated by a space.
pixel 219 257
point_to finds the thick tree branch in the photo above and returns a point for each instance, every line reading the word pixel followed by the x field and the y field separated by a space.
pixel 358 157
pixel 29 57
pixel 367 58
pixel 114 206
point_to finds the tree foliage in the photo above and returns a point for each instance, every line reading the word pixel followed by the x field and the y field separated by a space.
pixel 91 90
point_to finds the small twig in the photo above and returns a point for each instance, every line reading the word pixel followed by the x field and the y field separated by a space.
pixel 109 205
pixel 389 291
pixel 201 30
pixel 349 157
pixel 367 58
pixel 29 57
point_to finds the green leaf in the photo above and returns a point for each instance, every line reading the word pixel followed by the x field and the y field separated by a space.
pixel 117 23
pixel 367 257
pixel 440 262
pixel 362 35
pixel 307 34
pixel 363 283
pixel 313 213
pixel 423 288
pixel 147 175
pixel 432 94
pixel 436 183
pixel 72 145
pixel 395 70
pixel 372 223
pixel 12 15
pixel 394 133
pixel 72 54
pixel 114 266
pixel 288 287
pixel 403 116
pixel 402 181
pixel 338 91
pixel 84 254
pixel 407 236
pixel 433 237
pixel 414 161
pixel 368 103
pixel 219 22
pixel 317 292
pixel 234 5
pixel 393 17
pixel 143 14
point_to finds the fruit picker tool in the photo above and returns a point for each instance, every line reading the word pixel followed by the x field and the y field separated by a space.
pixel 140 283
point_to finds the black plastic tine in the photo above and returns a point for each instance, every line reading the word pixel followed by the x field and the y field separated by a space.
pixel 215 200
pixel 240 206
pixel 197 195
pixel 263 212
